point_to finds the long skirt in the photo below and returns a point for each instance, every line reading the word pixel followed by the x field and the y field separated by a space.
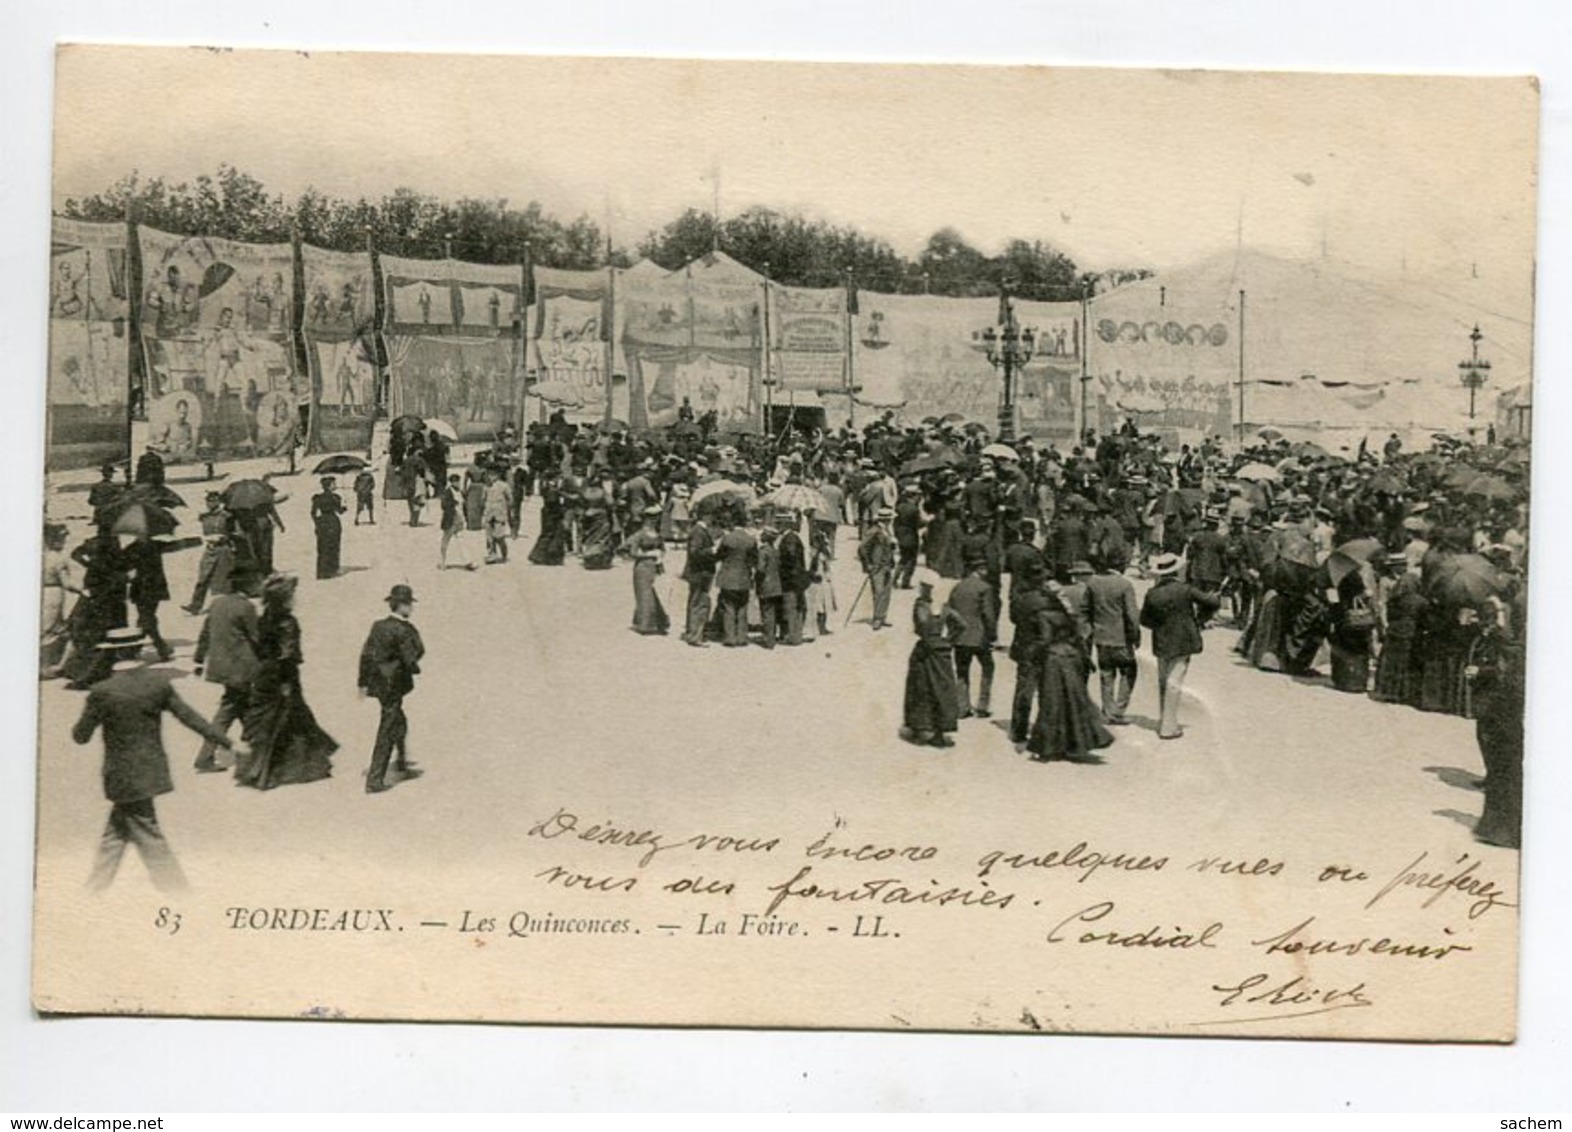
pixel 1067 726
pixel 330 540
pixel 1350 662
pixel 1266 638
pixel 598 545
pixel 1500 733
pixel 287 744
pixel 1396 681
pixel 931 703
pixel 820 600
pixel 649 615
pixel 1443 686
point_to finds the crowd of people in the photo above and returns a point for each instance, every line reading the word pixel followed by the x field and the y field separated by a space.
pixel 1407 569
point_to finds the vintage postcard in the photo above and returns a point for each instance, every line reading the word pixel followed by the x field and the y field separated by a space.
pixel 628 541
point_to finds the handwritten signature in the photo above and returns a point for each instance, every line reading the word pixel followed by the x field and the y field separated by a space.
pixel 1303 997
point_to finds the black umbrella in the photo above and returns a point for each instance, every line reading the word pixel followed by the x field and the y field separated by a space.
pixel 340 465
pixel 129 516
pixel 245 495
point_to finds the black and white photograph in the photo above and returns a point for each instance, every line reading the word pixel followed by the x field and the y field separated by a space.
pixel 828 546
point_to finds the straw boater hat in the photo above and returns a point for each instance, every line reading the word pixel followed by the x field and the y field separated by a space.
pixel 127 638
pixel 1165 565
pixel 1081 566
pixel 654 511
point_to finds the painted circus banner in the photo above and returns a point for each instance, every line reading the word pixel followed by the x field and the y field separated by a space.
pixel 452 331
pixel 924 356
pixel 216 327
pixel 571 336
pixel 89 345
pixel 694 335
pixel 1166 358
pixel 338 326
pixel 808 338
pixel 467 382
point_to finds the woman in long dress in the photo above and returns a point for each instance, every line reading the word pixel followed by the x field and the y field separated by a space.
pixel 595 530
pixel 326 507
pixel 1068 727
pixel 287 745
pixel 1350 632
pixel 931 704
pixel 1396 677
pixel 551 545
pixel 819 601
pixel 649 552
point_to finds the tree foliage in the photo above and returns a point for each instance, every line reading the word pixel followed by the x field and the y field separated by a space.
pixel 790 248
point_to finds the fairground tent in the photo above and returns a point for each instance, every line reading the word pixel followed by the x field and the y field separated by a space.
pixel 1325 348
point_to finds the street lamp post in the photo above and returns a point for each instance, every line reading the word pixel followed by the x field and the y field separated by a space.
pixel 1474 373
pixel 1008 348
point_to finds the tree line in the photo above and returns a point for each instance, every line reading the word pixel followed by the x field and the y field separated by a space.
pixel 789 248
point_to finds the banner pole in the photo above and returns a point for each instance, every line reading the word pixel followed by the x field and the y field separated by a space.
pixel 1241 366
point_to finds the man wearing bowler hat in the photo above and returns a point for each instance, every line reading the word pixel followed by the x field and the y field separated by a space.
pixel 389 662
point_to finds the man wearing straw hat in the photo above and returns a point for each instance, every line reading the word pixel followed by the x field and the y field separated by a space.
pixel 389 663
pixel 1174 611
pixel 129 705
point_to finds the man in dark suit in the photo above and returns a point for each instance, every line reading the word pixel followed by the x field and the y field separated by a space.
pixel 1207 555
pixel 129 705
pixel 1174 611
pixel 907 529
pixel 1028 597
pixel 226 654
pixel 767 582
pixel 736 555
pixel 977 603
pixel 1116 634
pixel 389 663
pixel 794 576
pixel 149 589
pixel 699 572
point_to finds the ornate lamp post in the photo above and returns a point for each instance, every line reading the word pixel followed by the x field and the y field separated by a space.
pixel 1474 373
pixel 1008 347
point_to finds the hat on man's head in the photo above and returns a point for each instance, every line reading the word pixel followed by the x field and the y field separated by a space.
pixel 1081 566
pixel 401 595
pixel 884 513
pixel 654 511
pixel 126 638
pixel 912 489
pixel 1165 565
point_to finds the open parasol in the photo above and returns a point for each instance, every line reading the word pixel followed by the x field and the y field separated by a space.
pixel 1257 472
pixel 1491 488
pixel 441 427
pixel 131 516
pixel 1000 452
pixel 340 465
pixel 717 489
pixel 1308 448
pixel 1269 434
pixel 1351 556
pixel 1387 481
pixel 1466 579
pixel 798 497
pixel 247 495
pixel 921 464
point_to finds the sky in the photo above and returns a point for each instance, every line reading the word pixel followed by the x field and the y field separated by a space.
pixel 1432 177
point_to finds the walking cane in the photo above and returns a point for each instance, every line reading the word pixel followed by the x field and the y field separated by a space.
pixel 855 600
